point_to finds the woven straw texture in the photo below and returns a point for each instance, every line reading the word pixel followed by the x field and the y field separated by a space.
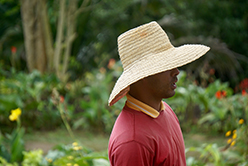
pixel 146 50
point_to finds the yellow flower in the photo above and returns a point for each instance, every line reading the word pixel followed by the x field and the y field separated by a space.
pixel 75 144
pixel 13 117
pixel 70 157
pixel 229 141
pixel 49 160
pixel 234 136
pixel 234 131
pixel 76 148
pixel 68 164
pixel 75 165
pixel 15 114
pixel 241 121
pixel 233 143
pixel 228 133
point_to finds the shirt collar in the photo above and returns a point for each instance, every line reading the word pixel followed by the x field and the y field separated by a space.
pixel 140 106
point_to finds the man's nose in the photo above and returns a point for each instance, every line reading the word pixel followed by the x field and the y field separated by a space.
pixel 175 72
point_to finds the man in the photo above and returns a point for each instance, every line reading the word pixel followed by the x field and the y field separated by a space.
pixel 147 132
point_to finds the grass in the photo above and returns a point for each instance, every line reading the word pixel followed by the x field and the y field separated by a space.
pixel 197 139
pixel 46 140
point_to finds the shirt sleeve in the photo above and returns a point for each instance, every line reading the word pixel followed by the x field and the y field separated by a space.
pixel 131 154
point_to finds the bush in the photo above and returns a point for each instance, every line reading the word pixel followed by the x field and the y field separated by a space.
pixel 214 107
pixel 74 154
pixel 235 152
pixel 96 113
pixel 71 155
pixel 85 100
pixel 83 104
pixel 31 93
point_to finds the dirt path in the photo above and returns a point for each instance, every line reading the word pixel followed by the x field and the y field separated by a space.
pixel 34 145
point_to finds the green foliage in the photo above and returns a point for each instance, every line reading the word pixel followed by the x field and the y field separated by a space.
pixel 14 142
pixel 75 154
pixel 96 33
pixel 96 113
pixel 225 112
pixel 238 152
pixel 32 158
pixel 10 34
pixel 3 162
pixel 30 92
pixel 3 151
pixel 84 105
pixel 219 111
pixel 208 154
pixel 214 23
pixel 95 110
pixel 187 97
pixel 234 153
pixel 17 145
pixel 61 155
pixel 215 106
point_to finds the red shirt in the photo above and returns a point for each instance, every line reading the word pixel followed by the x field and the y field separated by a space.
pixel 140 140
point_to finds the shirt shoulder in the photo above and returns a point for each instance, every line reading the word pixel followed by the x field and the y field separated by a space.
pixel 169 110
pixel 130 126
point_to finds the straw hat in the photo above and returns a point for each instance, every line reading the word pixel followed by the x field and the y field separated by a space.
pixel 146 50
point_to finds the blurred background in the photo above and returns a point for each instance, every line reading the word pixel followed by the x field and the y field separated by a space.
pixel 59 62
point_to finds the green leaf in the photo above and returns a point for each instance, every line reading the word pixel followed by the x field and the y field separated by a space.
pixel 100 162
pixel 4 153
pixel 17 145
pixel 79 123
pixel 210 117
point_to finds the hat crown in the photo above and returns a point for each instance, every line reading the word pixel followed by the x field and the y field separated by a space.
pixel 138 43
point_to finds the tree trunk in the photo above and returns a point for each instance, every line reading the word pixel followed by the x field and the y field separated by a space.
pixel 59 37
pixel 40 53
pixel 47 35
pixel 70 33
pixel 37 35
pixel 28 21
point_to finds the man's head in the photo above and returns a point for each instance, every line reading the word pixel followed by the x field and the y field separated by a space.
pixel 145 52
pixel 157 86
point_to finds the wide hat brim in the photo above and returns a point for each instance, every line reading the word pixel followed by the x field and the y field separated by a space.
pixel 154 64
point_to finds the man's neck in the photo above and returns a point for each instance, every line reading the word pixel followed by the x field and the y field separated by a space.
pixel 156 104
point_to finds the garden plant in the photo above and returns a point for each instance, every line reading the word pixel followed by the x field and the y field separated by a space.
pixel 58 63
pixel 219 108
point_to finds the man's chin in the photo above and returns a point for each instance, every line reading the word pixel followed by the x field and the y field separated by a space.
pixel 170 95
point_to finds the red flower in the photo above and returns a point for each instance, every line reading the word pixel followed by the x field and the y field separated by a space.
pixel 244 92
pixel 218 94
pixel 244 84
pixel 223 93
pixel 211 71
pixel 111 63
pixel 13 49
pixel 62 99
